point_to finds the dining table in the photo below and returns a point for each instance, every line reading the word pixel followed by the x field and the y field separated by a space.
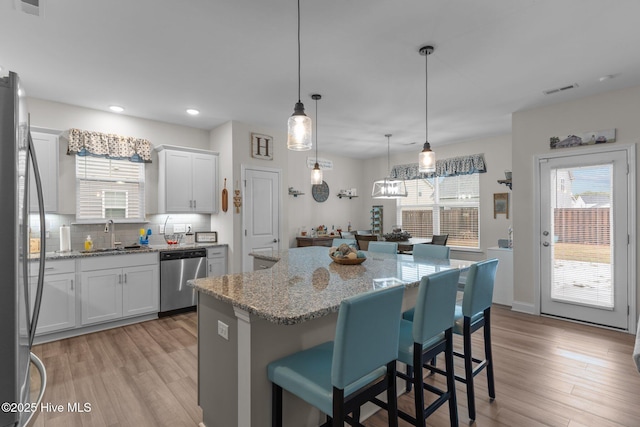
pixel 247 320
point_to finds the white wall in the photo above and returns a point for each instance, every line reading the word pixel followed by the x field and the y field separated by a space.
pixel 531 132
pixel 62 117
pixel 334 212
pixel 497 154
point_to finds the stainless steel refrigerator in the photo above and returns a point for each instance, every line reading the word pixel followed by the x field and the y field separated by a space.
pixel 18 307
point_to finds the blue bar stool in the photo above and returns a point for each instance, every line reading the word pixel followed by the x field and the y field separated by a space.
pixel 337 377
pixel 383 247
pixel 429 334
pixel 473 314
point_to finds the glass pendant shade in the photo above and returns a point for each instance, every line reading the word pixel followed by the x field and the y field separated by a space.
pixel 427 160
pixel 388 188
pixel 299 130
pixel 316 175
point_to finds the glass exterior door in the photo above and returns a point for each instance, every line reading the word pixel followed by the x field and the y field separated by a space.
pixel 583 246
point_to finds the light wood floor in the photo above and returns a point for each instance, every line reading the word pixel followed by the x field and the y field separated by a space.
pixel 548 373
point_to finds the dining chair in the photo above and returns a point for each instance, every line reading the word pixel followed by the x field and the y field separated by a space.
pixel 337 377
pixel 431 251
pixel 337 242
pixel 384 247
pixel 424 338
pixel 347 235
pixel 439 239
pixel 472 314
pixel 364 239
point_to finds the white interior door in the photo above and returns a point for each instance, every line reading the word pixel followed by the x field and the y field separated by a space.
pixel 584 255
pixel 261 217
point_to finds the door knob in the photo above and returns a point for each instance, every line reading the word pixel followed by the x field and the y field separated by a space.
pixel 545 243
pixel 275 240
pixel 545 233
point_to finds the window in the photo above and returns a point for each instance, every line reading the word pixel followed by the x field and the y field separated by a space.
pixel 109 189
pixel 442 205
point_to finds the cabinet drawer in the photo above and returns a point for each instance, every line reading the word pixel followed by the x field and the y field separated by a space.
pixel 117 261
pixel 53 267
pixel 218 252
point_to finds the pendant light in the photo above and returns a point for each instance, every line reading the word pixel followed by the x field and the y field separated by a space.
pixel 299 124
pixel 316 172
pixel 388 188
pixel 427 158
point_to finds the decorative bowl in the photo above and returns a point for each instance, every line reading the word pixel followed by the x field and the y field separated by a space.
pixel 173 239
pixel 348 261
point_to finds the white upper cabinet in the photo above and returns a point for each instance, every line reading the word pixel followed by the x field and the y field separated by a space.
pixel 187 180
pixel 46 146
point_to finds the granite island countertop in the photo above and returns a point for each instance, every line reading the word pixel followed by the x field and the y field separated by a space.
pixel 305 283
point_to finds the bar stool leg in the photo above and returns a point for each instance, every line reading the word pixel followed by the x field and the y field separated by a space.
pixel 451 379
pixel 468 368
pixel 276 405
pixel 488 353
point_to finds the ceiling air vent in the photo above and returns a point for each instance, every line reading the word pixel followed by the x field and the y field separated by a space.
pixel 32 7
pixel 560 89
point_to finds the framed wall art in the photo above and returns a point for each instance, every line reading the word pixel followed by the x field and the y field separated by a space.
pixel 500 204
pixel 261 146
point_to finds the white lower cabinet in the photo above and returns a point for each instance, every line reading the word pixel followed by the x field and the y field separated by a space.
pixel 503 287
pixel 58 306
pixel 216 261
pixel 114 287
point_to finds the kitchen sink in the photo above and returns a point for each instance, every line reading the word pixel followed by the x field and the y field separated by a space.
pixel 93 251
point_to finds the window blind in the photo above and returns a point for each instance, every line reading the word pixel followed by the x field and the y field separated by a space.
pixel 442 205
pixel 109 189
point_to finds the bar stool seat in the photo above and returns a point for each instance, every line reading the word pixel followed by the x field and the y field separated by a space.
pixel 421 340
pixel 337 377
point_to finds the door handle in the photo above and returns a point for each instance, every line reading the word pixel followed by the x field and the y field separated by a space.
pixel 545 243
pixel 545 233
pixel 276 240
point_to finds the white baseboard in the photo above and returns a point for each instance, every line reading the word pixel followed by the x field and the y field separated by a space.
pixel 523 307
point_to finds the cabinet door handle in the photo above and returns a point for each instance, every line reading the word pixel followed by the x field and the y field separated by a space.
pixel 209 268
pixel 190 203
pixel 120 279
pixel 71 284
pixel 194 204
pixel 125 277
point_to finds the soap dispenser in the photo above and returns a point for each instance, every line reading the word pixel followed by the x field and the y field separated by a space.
pixel 88 243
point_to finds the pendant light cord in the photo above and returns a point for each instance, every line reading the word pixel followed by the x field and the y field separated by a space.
pixel 426 96
pixel 388 154
pixel 298 50
pixel 316 99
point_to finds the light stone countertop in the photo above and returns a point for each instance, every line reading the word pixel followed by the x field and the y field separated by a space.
pixel 305 283
pixel 55 256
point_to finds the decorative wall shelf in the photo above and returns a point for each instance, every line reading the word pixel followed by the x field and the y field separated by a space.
pixel 346 195
pixel 295 193
pixel 506 182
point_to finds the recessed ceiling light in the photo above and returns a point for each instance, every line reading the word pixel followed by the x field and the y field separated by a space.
pixel 116 108
pixel 192 111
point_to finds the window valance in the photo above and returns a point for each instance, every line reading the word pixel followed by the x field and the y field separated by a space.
pixel 87 143
pixel 462 165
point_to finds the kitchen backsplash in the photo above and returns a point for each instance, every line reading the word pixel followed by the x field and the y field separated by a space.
pixel 126 233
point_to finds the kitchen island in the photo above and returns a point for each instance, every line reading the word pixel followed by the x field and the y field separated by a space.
pixel 247 320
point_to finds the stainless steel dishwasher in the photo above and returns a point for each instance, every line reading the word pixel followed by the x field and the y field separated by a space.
pixel 176 267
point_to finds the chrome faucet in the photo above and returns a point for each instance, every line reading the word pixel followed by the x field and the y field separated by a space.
pixel 110 227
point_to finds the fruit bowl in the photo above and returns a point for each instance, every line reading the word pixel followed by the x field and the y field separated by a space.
pixel 173 239
pixel 348 261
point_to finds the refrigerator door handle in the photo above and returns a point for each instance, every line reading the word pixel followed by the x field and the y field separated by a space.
pixel 38 301
pixel 43 386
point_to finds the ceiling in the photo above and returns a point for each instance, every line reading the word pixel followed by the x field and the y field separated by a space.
pixel 237 60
